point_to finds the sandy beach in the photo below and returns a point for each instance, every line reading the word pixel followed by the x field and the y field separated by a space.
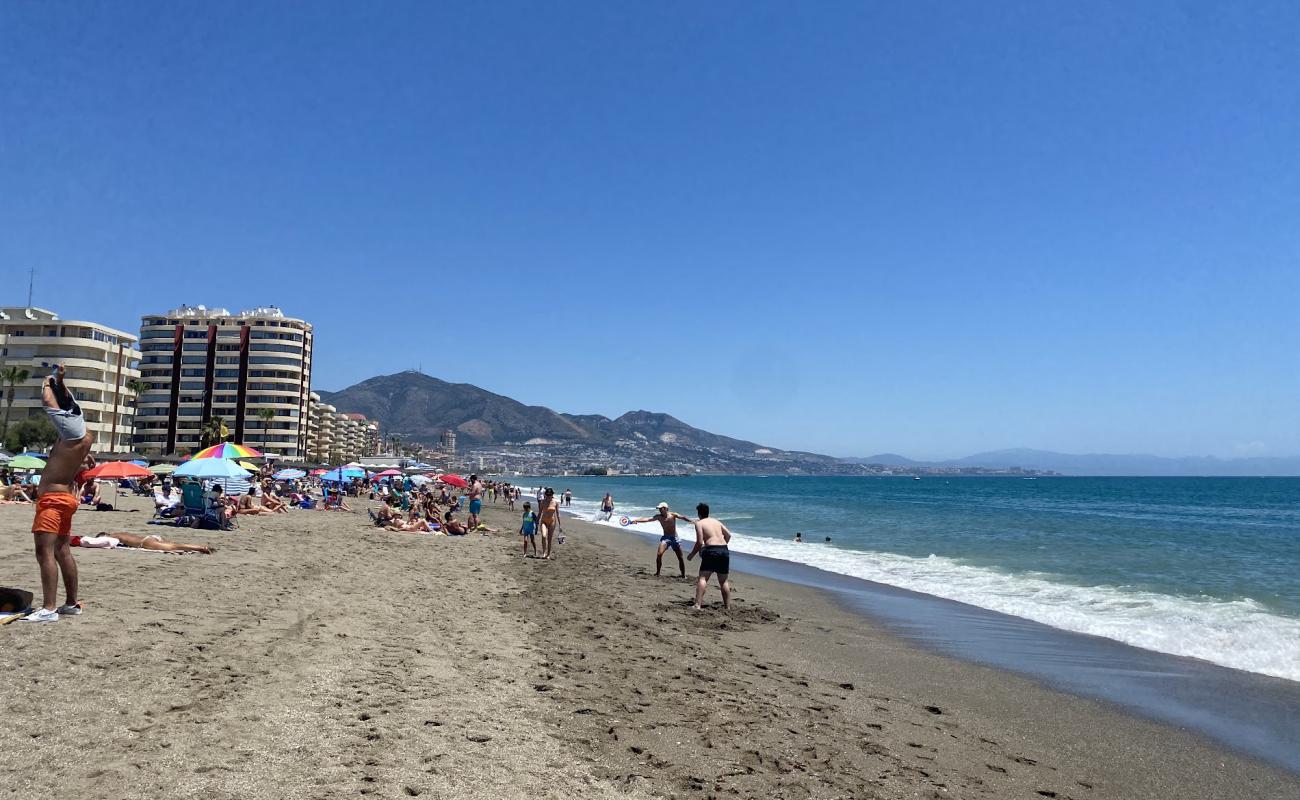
pixel 315 657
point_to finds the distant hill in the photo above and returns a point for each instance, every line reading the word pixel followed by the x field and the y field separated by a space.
pixel 1103 463
pixel 1128 464
pixel 888 459
pixel 419 408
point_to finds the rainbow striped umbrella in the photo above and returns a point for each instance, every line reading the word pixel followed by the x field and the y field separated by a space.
pixel 228 450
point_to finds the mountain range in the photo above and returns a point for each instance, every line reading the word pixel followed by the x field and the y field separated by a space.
pixel 419 407
pixel 1104 463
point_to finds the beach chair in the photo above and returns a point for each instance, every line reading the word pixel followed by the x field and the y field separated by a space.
pixel 192 499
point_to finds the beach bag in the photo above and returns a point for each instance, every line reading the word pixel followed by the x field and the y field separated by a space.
pixel 12 600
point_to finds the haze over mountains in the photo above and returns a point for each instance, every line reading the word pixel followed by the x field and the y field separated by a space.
pixel 419 407
pixel 1104 463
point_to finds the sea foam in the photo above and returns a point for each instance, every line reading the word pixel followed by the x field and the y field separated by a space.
pixel 1239 634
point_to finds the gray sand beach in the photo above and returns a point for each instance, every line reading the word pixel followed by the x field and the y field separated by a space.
pixel 315 657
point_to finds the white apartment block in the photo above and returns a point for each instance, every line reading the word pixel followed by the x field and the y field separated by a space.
pixel 99 362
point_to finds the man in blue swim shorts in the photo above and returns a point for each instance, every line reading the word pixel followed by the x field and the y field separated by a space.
pixel 475 500
pixel 668 521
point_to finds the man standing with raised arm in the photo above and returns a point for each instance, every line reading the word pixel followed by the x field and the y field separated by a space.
pixel 668 523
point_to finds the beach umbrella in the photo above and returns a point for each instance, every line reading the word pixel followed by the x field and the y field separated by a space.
pixel 139 462
pixel 319 471
pixel 25 461
pixel 163 469
pixel 420 480
pixel 227 450
pixel 454 480
pixel 6 456
pixel 342 474
pixel 33 454
pixel 210 468
pixel 388 473
pixel 248 466
pixel 289 474
pixel 110 470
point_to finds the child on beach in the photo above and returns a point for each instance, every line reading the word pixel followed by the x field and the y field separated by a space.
pixel 528 529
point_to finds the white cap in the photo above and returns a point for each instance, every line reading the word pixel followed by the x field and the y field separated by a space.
pixel 662 505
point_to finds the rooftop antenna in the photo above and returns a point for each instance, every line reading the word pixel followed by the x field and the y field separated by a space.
pixel 31 281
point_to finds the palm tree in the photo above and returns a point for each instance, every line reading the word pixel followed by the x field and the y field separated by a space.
pixel 212 431
pixel 11 377
pixel 266 415
pixel 136 387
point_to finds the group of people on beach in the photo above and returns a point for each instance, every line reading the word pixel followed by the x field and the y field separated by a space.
pixel 428 510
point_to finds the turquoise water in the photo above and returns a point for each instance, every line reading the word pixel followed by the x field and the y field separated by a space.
pixel 1201 567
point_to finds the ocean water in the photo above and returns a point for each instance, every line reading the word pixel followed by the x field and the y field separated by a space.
pixel 1201 567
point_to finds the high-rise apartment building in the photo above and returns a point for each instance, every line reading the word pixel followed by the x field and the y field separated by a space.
pixel 448 443
pixel 203 363
pixel 99 362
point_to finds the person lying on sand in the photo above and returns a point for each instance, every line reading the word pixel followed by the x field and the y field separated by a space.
pixel 14 494
pixel 150 541
pixel 452 526
pixel 711 538
pixel 416 524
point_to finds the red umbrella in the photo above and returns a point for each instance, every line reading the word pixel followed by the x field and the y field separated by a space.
pixel 454 480
pixel 118 469
pixel 388 473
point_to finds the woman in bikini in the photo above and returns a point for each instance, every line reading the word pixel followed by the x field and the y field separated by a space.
pixel 549 522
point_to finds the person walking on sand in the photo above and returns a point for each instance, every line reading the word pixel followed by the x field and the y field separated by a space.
pixel 668 522
pixel 711 539
pixel 607 507
pixel 528 529
pixel 550 521
pixel 56 500
pixel 568 498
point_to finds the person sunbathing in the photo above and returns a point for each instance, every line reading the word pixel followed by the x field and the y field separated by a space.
pixel 14 494
pixel 273 504
pixel 150 541
pixel 452 526
pixel 415 525
pixel 247 505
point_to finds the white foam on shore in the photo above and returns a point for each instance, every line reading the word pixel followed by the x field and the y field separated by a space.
pixel 1239 634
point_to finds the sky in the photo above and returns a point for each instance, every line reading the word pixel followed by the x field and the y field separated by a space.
pixel 851 228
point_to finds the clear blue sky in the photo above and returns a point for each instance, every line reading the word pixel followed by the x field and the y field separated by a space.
pixel 930 228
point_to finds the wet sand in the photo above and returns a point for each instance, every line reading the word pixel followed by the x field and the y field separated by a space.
pixel 315 657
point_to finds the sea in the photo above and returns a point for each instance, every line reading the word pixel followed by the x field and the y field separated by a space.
pixel 1205 568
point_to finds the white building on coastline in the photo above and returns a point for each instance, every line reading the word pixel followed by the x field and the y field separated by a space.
pixel 201 364
pixel 100 362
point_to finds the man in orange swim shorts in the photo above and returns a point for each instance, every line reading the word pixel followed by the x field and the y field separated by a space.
pixel 56 501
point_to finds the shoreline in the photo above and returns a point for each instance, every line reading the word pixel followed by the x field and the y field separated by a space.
pixel 314 656
pixel 1245 711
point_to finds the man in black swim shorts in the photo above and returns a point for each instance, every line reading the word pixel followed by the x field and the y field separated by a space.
pixel 711 538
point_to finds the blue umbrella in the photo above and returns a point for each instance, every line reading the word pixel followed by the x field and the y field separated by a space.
pixel 210 468
pixel 288 474
pixel 139 462
pixel 342 474
pixel 34 454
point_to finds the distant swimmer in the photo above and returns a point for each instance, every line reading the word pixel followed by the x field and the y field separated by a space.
pixel 668 522
pixel 607 507
pixel 798 537
pixel 711 540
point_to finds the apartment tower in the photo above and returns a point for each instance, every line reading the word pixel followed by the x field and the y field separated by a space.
pixel 202 363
